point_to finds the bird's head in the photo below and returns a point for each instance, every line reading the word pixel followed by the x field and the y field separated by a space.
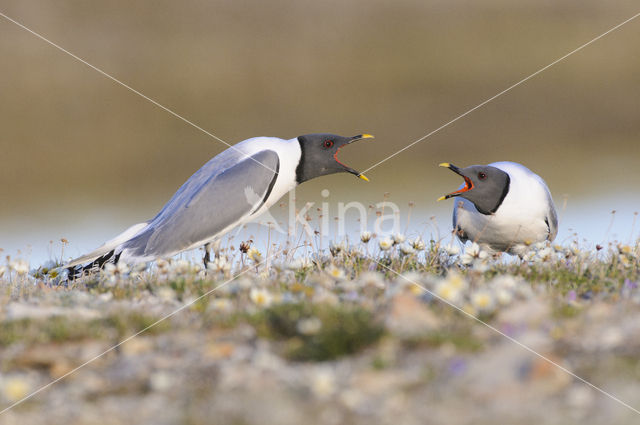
pixel 320 155
pixel 485 186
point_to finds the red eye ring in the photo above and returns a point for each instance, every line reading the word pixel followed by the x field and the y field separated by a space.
pixel 482 175
pixel 328 143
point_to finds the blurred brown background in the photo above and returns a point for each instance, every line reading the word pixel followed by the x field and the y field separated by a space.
pixel 82 157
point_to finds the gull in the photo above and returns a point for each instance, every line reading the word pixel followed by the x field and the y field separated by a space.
pixel 231 189
pixel 504 206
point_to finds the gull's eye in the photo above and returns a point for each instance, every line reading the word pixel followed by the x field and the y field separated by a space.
pixel 482 175
pixel 328 143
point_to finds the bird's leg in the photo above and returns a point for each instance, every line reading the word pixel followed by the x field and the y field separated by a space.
pixel 206 258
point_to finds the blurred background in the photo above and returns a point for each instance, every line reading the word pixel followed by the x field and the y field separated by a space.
pixel 83 158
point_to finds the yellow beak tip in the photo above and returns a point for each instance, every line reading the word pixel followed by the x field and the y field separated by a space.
pixel 363 177
pixel 367 136
pixel 442 198
pixel 444 164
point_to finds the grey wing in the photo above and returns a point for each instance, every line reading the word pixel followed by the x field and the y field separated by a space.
pixel 458 231
pixel 551 219
pixel 222 200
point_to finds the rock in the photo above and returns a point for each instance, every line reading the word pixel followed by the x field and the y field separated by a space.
pixel 409 317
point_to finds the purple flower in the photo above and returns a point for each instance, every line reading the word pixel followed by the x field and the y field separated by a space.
pixel 630 285
pixel 571 296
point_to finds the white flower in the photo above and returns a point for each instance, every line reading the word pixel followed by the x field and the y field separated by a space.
pixel 385 243
pixel 366 236
pixel 15 388
pixel 122 267
pixel 335 272
pixel 545 254
pixel 298 264
pixel 222 304
pixel 19 266
pixel 336 248
pixel 457 281
pixel 448 292
pixel 504 281
pixel 483 301
pixel 398 238
pixel 452 250
pixel 323 383
pixel 180 267
pixel 418 244
pixel 372 279
pixel 540 245
pixel 309 326
pixel 472 253
pixel 109 269
pixel 261 297
pixel 220 264
pixel 166 294
pixel 407 249
pixel 504 296
pixel 254 255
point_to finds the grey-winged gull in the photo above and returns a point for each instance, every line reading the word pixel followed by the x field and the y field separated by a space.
pixel 504 206
pixel 231 189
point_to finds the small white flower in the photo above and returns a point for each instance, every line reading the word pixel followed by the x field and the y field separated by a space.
pixel 261 297
pixel 398 238
pixel 219 265
pixel 180 267
pixel 452 250
pixel 457 281
pixel 323 383
pixel 504 296
pixel 366 236
pixel 483 301
pixel 504 281
pixel 540 245
pixel 309 326
pixel 373 279
pixel 19 266
pixel 109 269
pixel 222 304
pixel 385 243
pixel 335 272
pixel 418 244
pixel 15 388
pixel 254 255
pixel 166 294
pixel 407 249
pixel 545 254
pixel 448 292
pixel 336 248
pixel 122 267
pixel 472 253
pixel 298 264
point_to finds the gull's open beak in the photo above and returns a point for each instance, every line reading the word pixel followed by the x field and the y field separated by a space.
pixel 468 183
pixel 351 170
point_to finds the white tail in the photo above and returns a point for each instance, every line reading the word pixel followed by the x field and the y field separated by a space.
pixel 109 245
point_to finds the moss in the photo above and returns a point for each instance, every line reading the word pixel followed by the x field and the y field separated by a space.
pixel 344 330
pixel 462 339
pixel 64 329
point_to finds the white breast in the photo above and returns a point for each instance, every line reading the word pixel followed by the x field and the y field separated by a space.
pixel 520 220
pixel 289 153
